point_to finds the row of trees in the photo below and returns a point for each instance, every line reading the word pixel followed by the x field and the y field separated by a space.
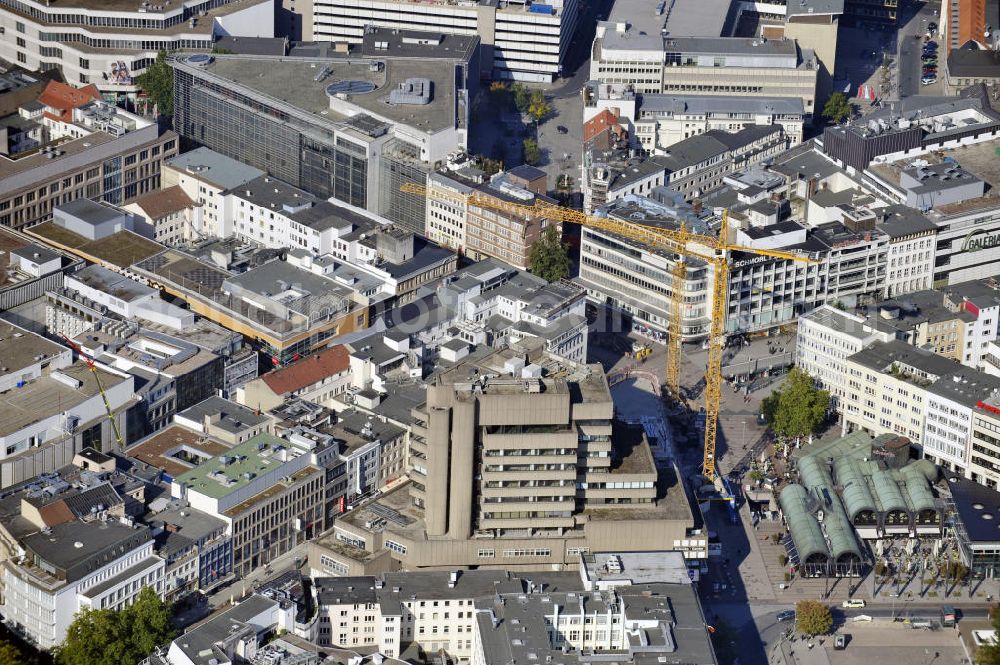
pixel 532 102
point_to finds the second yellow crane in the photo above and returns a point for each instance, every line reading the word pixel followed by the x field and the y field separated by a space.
pixel 712 249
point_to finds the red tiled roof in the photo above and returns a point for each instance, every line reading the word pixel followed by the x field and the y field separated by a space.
pixel 308 371
pixel 65 98
pixel 56 513
pixel 598 124
pixel 163 202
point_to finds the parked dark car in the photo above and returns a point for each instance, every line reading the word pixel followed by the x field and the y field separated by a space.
pixel 561 129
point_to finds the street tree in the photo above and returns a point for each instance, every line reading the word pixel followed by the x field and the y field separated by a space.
pixel 106 637
pixel 798 408
pixel 549 256
pixel 10 654
pixel 813 617
pixel 989 652
pixel 724 640
pixel 522 97
pixel 532 153
pixel 539 108
pixel 837 108
pixel 158 83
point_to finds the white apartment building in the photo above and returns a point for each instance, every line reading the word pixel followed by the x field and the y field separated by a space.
pixel 521 40
pixel 899 389
pixel 75 566
pixel 204 175
pixel 447 210
pixel 172 215
pixel 431 609
pixel 110 43
pixel 272 213
pixel 825 338
pixel 656 122
pixel 912 250
pixel 887 389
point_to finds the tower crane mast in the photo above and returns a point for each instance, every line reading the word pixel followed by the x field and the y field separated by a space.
pixel 712 249
pixel 100 388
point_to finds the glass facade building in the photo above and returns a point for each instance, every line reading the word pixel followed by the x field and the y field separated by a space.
pixel 316 156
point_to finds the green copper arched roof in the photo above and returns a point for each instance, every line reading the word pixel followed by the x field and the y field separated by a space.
pixel 802 524
pixel 856 494
pixel 917 487
pixel 887 491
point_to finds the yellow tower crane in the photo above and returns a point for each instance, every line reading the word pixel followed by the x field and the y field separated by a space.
pixel 100 388
pixel 712 249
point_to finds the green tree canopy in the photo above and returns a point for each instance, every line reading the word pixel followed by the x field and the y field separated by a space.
pixel 538 107
pixel 989 654
pixel 798 407
pixel 158 82
pixel 105 637
pixel 813 617
pixel 522 97
pixel 549 256
pixel 10 654
pixel 724 640
pixel 532 153
pixel 837 108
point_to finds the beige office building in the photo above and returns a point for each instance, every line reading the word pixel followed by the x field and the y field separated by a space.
pixel 520 466
pixel 652 63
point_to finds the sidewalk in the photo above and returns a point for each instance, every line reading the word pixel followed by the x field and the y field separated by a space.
pixel 753 569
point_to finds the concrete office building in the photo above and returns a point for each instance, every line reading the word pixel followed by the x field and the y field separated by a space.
pixel 29 268
pixel 556 477
pixel 338 241
pixel 301 317
pixel 395 109
pixel 52 406
pixel 956 181
pixel 268 490
pixel 196 550
pixel 693 167
pixel 170 374
pixel 661 621
pixel 984 453
pixel 638 279
pixel 522 41
pixel 912 128
pixel 897 388
pixel 223 420
pixel 85 149
pixel 948 324
pixel 108 44
pixel 462 612
pixel 490 304
pixel 656 122
pixel 678 65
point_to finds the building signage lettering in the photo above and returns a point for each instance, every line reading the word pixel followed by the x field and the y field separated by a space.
pixel 977 240
pixel 751 261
